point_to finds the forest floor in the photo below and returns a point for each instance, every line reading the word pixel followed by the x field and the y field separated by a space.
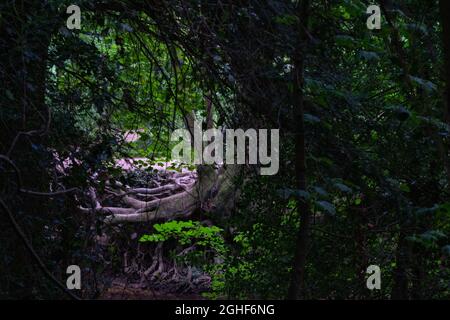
pixel 139 175
pixel 120 290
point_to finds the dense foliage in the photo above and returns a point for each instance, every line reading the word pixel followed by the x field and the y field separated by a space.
pixel 363 117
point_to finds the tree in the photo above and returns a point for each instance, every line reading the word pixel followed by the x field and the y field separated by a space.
pixel 296 287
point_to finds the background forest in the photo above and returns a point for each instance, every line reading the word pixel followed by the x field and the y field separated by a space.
pixel 86 176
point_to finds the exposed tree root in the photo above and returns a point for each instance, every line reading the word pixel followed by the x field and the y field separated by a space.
pixel 162 196
pixel 177 195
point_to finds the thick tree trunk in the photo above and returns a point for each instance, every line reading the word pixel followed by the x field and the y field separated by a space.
pixel 213 191
pixel 296 288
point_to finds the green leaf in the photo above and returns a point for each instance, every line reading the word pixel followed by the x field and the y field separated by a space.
pixel 310 118
pixel 425 84
pixel 286 19
pixel 345 41
pixel 9 95
pixel 342 187
pixel 126 27
pixel 423 211
pixel 404 187
pixel 287 193
pixel 402 113
pixel 446 250
pixel 328 207
pixel 374 135
pixel 320 191
pixel 433 235
pixel 417 28
pixel 369 55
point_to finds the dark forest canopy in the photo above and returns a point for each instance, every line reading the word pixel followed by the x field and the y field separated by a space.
pixel 87 177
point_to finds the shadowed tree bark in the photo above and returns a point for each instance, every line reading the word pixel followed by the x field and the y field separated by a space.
pixel 296 288
pixel 26 28
pixel 444 7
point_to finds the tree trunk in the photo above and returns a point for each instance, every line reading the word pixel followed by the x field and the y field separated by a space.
pixel 400 287
pixel 296 288
pixel 444 7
